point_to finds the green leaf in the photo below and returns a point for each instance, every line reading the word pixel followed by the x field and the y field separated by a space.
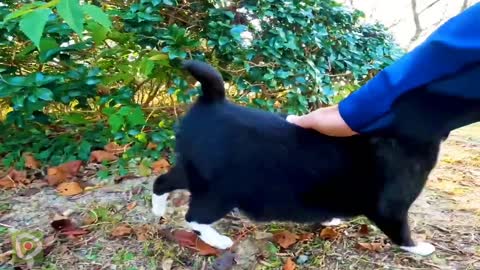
pixel 97 15
pixel 146 67
pixel 116 122
pixel 18 102
pixel 159 57
pixel 84 150
pixel 98 32
pixel 43 93
pixel 32 99
pixel 71 12
pixel 103 174
pixel 136 117
pixel 25 9
pixel 48 43
pixel 176 53
pixel 33 23
pixel 142 137
pixel 75 119
pixel 223 40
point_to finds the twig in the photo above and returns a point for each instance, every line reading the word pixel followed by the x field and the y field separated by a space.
pixel 439 228
pixel 429 6
pixel 148 117
pixel 450 250
pixel 174 104
pixel 432 265
pixel 6 225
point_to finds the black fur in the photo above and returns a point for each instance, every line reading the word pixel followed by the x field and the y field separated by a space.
pixel 231 156
pixel 212 83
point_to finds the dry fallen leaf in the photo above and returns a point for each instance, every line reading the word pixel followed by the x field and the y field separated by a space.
pixel 71 167
pixel 7 182
pixel 88 220
pixel 13 178
pixel 205 249
pixel 144 170
pixel 74 233
pixel 63 172
pixel 377 247
pixel 160 166
pixel 62 224
pixel 30 161
pixel 56 176
pixel 185 238
pixel 289 265
pixel 306 236
pixel 285 238
pixel 131 205
pixel 328 234
pixel 66 227
pixel 69 188
pixel 19 176
pixel 144 232
pixel 100 156
pixel 191 240
pixel 364 230
pixel 115 149
pixel 152 146
pixel 122 230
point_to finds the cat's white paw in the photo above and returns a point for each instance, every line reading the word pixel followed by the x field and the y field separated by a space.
pixel 210 236
pixel 159 204
pixel 422 249
pixel 218 241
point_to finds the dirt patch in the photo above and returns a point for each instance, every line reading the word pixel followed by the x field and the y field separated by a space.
pixel 446 214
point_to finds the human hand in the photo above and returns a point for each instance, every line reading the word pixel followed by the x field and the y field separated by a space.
pixel 324 120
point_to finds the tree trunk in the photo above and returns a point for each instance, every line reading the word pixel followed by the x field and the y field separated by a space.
pixel 464 6
pixel 416 20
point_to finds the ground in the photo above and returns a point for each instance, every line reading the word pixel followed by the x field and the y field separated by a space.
pixel 123 234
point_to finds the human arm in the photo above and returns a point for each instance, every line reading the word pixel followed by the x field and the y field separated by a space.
pixel 446 52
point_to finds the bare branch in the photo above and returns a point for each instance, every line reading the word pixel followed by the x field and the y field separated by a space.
pixel 429 6
pixel 416 20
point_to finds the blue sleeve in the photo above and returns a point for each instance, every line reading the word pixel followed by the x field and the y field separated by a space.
pixel 450 49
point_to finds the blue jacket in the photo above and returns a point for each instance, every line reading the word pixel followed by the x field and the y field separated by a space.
pixel 445 68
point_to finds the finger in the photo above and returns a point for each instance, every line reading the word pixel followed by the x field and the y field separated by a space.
pixel 292 118
pixel 298 120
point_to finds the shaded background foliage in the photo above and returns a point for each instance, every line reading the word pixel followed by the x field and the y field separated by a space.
pixel 76 75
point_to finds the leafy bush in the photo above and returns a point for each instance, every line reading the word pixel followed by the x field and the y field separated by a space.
pixel 75 76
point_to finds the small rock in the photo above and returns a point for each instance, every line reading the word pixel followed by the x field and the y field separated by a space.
pixel 302 259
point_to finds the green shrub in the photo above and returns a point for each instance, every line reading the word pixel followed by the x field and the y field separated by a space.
pixel 76 76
